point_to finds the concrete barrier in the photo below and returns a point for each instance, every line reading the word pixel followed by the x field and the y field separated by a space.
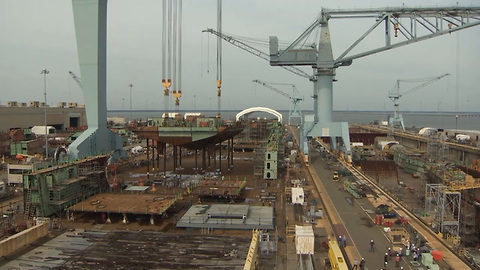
pixel 23 238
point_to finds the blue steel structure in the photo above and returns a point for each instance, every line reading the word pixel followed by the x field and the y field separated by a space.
pixel 90 17
pixel 402 26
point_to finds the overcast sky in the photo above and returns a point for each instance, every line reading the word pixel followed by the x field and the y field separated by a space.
pixel 37 34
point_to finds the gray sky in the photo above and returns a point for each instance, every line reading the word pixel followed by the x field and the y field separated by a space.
pixel 39 34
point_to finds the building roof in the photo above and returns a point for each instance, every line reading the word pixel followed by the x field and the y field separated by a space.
pixel 124 249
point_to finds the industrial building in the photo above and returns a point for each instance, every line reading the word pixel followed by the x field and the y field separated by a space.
pixel 60 117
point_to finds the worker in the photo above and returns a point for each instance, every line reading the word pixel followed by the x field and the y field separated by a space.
pixel 355 264
pixel 397 261
pixel 372 246
pixel 362 264
pixel 344 240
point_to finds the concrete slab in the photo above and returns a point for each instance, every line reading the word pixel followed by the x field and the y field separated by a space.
pixel 227 216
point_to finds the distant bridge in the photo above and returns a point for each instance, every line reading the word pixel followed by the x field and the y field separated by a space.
pixel 259 109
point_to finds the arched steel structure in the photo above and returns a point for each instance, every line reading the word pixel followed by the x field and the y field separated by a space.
pixel 259 109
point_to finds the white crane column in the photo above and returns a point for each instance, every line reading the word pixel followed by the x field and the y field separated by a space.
pixel 323 125
pixel 90 19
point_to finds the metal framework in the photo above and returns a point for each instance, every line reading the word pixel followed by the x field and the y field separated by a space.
pixel 254 51
pixel 259 109
pixel 443 205
pixel 395 96
pixel 437 147
pixel 294 109
pixel 407 25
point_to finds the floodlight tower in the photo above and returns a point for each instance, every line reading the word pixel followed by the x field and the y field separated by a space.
pixel 45 72
pixel 408 25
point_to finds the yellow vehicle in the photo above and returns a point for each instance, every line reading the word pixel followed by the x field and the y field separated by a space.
pixel 335 257
pixel 335 176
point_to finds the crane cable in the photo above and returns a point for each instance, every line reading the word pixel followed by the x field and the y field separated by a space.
pixel 219 58
pixel 180 48
pixel 174 52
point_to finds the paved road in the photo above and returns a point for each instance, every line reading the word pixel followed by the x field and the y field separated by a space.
pixel 354 218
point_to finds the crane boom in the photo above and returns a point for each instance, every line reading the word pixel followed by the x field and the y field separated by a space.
pixel 76 79
pixel 273 88
pixel 294 109
pixel 255 52
pixel 395 96
pixel 429 81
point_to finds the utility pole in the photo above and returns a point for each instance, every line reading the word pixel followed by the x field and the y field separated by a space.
pixel 45 72
pixel 131 86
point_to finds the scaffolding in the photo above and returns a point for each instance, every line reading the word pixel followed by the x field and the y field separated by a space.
pixel 258 160
pixel 437 147
pixel 51 191
pixel 469 225
pixel 443 205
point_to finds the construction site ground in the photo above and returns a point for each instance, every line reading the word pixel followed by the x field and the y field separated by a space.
pixel 287 215
pixel 406 188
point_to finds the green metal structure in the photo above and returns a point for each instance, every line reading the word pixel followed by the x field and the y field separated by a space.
pixel 52 190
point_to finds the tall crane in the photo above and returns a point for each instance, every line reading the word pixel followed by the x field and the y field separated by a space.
pixel 395 96
pixel 237 43
pixel 76 79
pixel 294 109
pixel 400 26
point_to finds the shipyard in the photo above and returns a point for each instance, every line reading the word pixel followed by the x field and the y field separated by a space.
pixel 180 153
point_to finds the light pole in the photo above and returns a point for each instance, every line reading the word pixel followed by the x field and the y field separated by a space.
pixel 131 86
pixel 45 72
pixel 456 123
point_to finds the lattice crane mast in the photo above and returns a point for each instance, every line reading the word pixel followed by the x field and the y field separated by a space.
pixel 395 96
pixel 239 44
pixel 294 109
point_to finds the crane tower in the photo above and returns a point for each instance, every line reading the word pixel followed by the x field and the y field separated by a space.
pixel 402 26
pixel 294 109
pixel 395 96
pixel 92 51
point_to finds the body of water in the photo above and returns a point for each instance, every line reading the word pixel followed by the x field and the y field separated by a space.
pixel 443 120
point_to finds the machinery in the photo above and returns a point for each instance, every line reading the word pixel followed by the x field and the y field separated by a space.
pixel 402 26
pixel 406 25
pixel 294 109
pixel 395 96
pixel 242 45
